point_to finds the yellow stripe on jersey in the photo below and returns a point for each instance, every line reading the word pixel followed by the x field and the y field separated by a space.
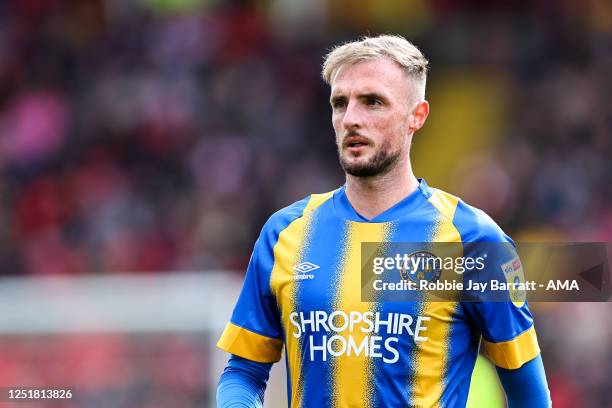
pixel 431 355
pixel 288 251
pixel 352 375
pixel 250 345
pixel 512 354
pixel 316 200
pixel 447 205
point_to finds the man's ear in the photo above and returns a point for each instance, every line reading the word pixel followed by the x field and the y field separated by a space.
pixel 419 115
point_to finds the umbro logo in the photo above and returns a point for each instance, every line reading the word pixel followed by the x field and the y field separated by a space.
pixel 302 270
pixel 305 267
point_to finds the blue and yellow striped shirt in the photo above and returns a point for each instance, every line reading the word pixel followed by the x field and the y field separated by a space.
pixel 302 291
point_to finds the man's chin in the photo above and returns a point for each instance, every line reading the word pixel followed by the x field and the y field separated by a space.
pixel 360 169
pixel 356 161
pixel 368 166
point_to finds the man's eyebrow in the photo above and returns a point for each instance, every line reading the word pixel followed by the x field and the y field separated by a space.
pixel 373 95
pixel 362 95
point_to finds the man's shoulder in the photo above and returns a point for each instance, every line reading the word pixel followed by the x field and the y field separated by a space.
pixel 286 215
pixel 473 224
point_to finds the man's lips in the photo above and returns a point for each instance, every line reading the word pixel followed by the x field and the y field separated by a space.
pixel 355 142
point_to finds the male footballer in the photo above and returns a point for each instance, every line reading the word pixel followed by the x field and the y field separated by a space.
pixel 302 290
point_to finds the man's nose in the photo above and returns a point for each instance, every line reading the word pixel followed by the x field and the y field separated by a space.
pixel 352 116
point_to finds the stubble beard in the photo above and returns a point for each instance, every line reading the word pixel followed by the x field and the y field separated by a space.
pixel 379 164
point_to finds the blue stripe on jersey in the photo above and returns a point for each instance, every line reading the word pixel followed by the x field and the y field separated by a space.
pixel 318 294
pixel 393 382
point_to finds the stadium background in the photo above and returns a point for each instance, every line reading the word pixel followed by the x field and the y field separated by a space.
pixel 144 143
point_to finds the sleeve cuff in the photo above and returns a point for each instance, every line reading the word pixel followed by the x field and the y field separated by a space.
pixel 252 346
pixel 512 354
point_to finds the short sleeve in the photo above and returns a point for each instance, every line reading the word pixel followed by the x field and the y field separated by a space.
pixel 254 331
pixel 502 315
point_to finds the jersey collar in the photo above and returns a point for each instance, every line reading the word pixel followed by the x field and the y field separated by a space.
pixel 345 210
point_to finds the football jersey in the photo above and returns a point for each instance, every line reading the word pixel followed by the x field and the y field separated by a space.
pixel 303 292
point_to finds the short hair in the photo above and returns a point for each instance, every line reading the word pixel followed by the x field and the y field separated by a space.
pixel 394 47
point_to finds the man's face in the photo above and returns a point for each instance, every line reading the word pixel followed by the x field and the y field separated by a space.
pixel 371 108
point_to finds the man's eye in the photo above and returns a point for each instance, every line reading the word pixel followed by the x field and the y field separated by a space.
pixel 338 104
pixel 373 102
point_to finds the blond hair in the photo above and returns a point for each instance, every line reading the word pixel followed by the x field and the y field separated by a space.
pixel 394 47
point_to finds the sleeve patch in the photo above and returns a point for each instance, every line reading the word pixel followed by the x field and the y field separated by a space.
pixel 513 272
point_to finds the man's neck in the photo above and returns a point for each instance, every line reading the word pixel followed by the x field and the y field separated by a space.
pixel 371 196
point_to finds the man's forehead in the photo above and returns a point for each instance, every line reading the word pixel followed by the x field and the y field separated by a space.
pixel 359 88
pixel 370 76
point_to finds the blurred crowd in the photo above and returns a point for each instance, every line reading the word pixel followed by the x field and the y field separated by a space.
pixel 158 135
pixel 138 141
